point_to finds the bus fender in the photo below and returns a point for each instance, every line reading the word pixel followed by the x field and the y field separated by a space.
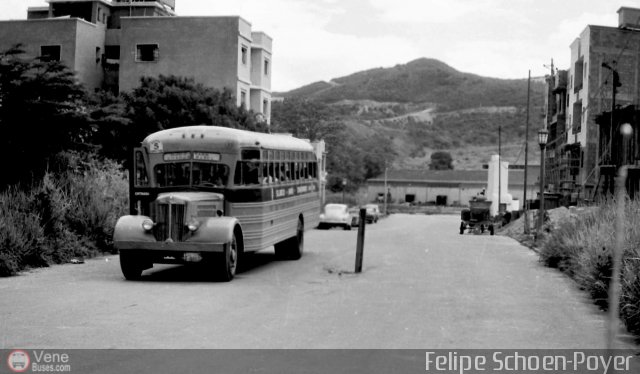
pixel 129 229
pixel 215 230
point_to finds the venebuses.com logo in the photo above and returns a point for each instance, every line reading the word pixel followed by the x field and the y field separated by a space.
pixel 18 361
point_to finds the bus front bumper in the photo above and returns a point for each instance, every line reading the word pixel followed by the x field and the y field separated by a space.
pixel 170 246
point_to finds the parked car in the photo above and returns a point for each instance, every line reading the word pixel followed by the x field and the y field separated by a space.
pixel 373 213
pixel 335 215
pixel 355 216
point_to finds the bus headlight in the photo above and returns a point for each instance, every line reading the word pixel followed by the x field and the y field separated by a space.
pixel 193 225
pixel 147 225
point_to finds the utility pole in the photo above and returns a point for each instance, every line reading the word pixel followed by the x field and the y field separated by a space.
pixel 499 167
pixel 526 161
pixel 385 187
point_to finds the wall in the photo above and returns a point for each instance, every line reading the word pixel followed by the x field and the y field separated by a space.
pixel 203 48
pixel 456 193
pixel 78 40
pixel 600 44
pixel 88 59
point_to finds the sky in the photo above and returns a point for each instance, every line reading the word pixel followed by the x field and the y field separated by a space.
pixel 316 40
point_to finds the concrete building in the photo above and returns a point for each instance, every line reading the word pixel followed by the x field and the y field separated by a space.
pixel 111 44
pixel 604 74
pixel 449 187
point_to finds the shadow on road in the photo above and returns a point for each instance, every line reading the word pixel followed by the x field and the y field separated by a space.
pixel 205 272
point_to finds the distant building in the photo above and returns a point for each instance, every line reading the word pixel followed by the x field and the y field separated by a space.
pixel 582 156
pixel 111 44
pixel 448 187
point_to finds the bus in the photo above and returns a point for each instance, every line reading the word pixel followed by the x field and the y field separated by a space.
pixel 207 194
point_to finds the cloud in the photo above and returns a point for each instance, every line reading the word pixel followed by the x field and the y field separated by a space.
pixel 433 11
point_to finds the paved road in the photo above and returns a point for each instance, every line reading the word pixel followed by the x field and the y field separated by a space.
pixel 423 286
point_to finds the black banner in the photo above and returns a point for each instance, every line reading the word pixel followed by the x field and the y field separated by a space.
pixel 300 361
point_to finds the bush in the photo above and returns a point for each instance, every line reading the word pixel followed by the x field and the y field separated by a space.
pixel 98 194
pixel 21 235
pixel 582 247
pixel 71 215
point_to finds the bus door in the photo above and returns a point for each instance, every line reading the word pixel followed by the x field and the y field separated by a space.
pixel 140 195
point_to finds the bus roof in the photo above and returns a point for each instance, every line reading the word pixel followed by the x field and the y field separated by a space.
pixel 203 136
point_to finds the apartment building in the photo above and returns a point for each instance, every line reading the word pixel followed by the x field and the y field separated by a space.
pixel 111 44
pixel 604 74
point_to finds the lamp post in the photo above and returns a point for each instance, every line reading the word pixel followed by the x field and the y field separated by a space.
pixel 344 185
pixel 543 134
pixel 614 85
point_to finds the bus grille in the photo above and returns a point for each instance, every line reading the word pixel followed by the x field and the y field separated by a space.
pixel 169 222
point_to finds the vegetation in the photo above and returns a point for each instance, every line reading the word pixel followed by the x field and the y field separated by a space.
pixel 422 80
pixel 349 157
pixel 68 214
pixel 42 112
pixel 426 105
pixel 582 248
pixel 441 161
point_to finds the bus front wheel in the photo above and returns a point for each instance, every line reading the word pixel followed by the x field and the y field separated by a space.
pixel 292 248
pixel 228 263
pixel 131 266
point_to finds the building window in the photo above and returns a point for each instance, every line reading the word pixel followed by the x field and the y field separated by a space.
pixel 266 67
pixel 577 117
pixel 243 51
pixel 147 52
pixel 112 52
pixel 50 53
pixel 243 99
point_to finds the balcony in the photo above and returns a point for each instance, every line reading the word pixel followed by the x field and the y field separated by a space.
pixel 560 85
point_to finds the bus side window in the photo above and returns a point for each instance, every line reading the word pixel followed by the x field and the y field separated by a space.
pixel 250 173
pixel 237 178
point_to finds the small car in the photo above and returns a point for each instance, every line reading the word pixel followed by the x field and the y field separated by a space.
pixel 355 216
pixel 335 215
pixel 373 213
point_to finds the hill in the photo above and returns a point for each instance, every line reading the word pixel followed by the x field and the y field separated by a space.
pixel 420 81
pixel 426 105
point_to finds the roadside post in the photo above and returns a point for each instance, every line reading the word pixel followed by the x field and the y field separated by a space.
pixel 360 246
pixel 618 248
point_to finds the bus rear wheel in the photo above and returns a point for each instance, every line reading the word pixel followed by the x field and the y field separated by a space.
pixel 292 248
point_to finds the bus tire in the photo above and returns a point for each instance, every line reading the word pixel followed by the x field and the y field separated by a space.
pixel 131 266
pixel 292 248
pixel 228 261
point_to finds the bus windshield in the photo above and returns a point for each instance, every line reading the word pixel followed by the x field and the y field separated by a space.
pixel 188 174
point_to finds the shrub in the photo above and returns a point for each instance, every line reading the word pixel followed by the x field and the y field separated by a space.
pixel 70 213
pixel 582 247
pixel 21 235
pixel 98 194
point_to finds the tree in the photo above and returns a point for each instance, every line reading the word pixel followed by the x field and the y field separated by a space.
pixel 349 156
pixel 169 101
pixel 305 119
pixel 441 161
pixel 42 111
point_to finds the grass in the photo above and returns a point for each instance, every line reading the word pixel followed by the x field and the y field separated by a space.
pixel 66 215
pixel 582 247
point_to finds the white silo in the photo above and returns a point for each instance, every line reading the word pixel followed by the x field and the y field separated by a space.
pixel 498 177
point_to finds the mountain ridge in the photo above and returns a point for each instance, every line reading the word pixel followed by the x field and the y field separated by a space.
pixel 426 105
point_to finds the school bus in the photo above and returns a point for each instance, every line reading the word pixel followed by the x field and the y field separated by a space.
pixel 207 194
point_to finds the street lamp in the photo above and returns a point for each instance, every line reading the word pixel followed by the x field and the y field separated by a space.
pixel 344 185
pixel 543 135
